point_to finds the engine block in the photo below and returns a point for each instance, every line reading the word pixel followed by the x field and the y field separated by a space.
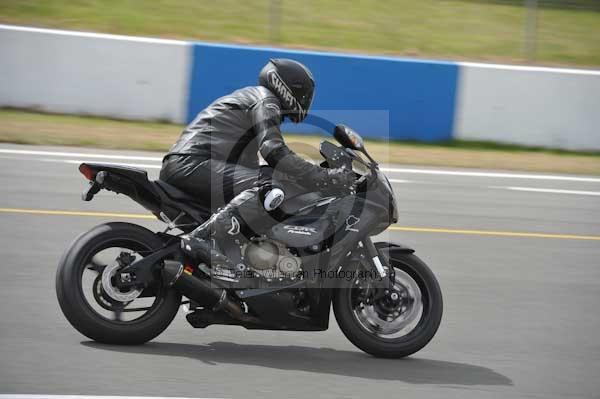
pixel 271 260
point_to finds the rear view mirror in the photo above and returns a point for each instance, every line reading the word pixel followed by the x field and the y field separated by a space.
pixel 348 138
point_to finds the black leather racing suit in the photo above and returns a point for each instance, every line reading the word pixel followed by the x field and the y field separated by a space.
pixel 217 160
pixel 217 155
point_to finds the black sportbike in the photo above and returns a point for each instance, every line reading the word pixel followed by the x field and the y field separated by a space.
pixel 121 283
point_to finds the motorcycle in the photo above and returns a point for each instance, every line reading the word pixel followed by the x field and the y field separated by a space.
pixel 121 283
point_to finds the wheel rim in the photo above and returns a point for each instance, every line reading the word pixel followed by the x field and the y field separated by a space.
pixel 106 300
pixel 393 319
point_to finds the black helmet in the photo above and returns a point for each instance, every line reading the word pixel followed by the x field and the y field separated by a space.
pixel 293 84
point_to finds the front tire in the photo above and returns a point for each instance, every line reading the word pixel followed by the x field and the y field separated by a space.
pixel 378 340
pixel 83 313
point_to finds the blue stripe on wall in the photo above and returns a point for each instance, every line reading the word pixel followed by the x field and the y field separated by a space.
pixel 380 97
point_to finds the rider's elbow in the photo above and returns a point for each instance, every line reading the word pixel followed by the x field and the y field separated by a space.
pixel 273 151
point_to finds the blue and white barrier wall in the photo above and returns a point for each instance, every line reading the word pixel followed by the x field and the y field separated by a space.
pixel 381 97
pixel 535 106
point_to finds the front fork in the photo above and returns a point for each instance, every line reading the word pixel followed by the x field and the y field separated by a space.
pixel 385 283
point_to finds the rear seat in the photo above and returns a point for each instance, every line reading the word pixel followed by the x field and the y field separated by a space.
pixel 175 193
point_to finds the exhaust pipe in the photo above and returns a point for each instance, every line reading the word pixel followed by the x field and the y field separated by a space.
pixel 175 275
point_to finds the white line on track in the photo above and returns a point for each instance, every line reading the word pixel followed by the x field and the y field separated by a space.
pixel 442 172
pixel 399 181
pixel 491 174
pixel 78 155
pixel 550 190
pixel 24 396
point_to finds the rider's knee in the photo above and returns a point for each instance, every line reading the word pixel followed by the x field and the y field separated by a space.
pixel 271 197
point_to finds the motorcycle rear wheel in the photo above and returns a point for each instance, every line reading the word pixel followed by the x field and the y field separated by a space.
pixel 89 316
pixel 416 321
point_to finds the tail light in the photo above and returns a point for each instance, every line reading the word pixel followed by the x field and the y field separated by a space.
pixel 87 171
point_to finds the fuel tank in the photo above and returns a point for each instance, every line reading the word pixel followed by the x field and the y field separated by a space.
pixel 308 227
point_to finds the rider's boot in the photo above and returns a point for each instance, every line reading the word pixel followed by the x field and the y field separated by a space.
pixel 242 213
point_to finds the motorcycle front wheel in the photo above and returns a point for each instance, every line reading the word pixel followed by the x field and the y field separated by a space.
pixel 88 297
pixel 399 324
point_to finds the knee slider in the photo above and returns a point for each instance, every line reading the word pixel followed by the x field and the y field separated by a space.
pixel 271 197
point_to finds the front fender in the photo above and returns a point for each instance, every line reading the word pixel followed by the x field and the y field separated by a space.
pixel 389 249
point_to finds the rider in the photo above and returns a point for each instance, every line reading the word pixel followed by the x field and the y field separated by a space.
pixel 220 152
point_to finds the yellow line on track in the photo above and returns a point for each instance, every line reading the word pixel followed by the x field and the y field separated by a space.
pixel 494 233
pixel 393 228
pixel 77 213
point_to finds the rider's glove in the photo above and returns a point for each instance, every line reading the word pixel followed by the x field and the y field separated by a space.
pixel 336 181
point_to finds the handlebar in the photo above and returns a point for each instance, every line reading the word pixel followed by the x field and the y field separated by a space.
pixel 342 157
pixel 360 180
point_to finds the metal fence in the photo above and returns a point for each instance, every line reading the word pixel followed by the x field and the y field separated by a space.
pixel 532 31
pixel 506 31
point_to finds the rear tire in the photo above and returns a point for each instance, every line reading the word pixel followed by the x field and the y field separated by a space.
pixel 413 341
pixel 78 310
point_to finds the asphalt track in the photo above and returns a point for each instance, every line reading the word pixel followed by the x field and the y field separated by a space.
pixel 517 256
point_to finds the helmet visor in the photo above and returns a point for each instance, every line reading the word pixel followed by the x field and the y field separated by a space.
pixel 305 101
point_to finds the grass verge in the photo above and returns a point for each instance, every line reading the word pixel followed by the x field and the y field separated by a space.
pixel 567 32
pixel 36 128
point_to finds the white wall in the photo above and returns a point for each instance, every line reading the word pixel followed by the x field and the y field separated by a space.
pixel 86 73
pixel 546 107
pixel 140 78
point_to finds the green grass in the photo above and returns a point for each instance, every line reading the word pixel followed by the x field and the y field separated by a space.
pixel 456 29
pixel 25 127
pixel 476 145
